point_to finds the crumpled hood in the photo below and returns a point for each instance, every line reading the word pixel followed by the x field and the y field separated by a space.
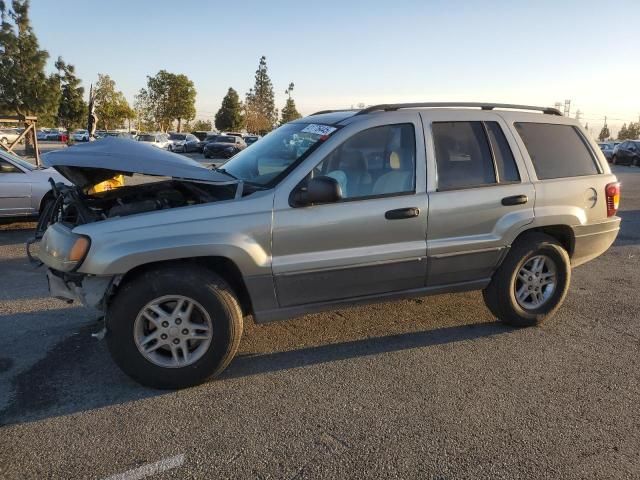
pixel 93 162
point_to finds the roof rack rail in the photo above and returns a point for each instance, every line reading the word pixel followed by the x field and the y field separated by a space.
pixel 390 107
pixel 334 111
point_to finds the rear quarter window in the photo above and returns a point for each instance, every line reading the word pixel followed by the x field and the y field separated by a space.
pixel 557 151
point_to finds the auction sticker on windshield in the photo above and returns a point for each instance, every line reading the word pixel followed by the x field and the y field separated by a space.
pixel 318 129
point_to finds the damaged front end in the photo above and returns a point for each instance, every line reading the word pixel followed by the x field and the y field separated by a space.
pixel 182 183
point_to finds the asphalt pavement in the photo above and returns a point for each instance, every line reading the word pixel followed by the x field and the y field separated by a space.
pixel 424 388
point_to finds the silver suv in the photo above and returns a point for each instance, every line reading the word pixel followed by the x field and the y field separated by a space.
pixel 335 209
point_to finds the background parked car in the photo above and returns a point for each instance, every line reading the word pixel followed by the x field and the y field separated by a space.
pixel 233 134
pixel 8 135
pixel 80 135
pixel 42 134
pixel 250 139
pixel 224 146
pixel 627 153
pixel 207 139
pixel 159 140
pixel 183 142
pixel 55 135
pixel 201 134
pixel 24 189
pixel 607 150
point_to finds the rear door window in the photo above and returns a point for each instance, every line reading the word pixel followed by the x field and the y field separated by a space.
pixel 557 151
pixel 463 155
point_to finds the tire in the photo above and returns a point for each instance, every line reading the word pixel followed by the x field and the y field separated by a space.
pixel 209 294
pixel 206 156
pixel 46 203
pixel 500 295
pixel 614 160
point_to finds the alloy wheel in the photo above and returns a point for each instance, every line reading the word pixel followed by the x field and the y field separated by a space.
pixel 173 331
pixel 536 282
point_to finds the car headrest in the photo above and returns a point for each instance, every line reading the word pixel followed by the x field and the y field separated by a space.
pixel 394 161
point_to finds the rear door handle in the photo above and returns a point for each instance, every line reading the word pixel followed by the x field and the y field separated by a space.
pixel 515 200
pixel 401 213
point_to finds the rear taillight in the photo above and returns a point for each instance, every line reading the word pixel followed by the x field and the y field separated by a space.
pixel 612 192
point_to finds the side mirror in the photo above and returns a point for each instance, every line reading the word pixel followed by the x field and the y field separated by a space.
pixel 318 190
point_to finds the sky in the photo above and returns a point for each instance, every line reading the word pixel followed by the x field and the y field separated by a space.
pixel 341 53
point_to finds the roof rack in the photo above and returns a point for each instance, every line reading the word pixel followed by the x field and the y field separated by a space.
pixel 389 107
pixel 334 111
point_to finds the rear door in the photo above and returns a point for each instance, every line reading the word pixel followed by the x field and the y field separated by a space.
pixel 569 172
pixel 364 244
pixel 480 196
pixel 15 190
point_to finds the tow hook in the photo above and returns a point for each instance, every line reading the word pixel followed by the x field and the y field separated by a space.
pixel 99 335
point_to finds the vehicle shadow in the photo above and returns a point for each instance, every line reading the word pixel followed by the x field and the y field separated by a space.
pixel 78 375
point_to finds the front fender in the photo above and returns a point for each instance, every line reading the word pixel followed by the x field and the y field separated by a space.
pixel 238 230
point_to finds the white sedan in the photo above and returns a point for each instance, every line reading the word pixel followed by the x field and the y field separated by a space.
pixel 81 135
pixel 24 189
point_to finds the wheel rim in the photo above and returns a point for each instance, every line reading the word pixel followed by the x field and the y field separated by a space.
pixel 173 331
pixel 536 282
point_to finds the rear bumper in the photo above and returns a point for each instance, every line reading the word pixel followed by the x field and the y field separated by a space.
pixel 593 240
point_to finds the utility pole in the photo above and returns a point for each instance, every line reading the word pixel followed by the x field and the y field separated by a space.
pixel 567 108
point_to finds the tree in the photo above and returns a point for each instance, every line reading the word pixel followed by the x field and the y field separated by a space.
pixel 112 108
pixel 260 110
pixel 604 133
pixel 72 109
pixel 623 133
pixel 289 112
pixel 25 89
pixel 229 117
pixel 202 126
pixel 183 99
pixel 633 131
pixel 169 97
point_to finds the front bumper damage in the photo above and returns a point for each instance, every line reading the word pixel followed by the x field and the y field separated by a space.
pixel 90 291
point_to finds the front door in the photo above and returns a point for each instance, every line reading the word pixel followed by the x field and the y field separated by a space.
pixel 15 191
pixel 371 242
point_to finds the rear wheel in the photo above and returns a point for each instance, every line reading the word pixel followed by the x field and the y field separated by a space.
pixel 174 327
pixel 614 160
pixel 531 283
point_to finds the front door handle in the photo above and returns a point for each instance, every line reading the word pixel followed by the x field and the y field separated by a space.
pixel 401 213
pixel 515 200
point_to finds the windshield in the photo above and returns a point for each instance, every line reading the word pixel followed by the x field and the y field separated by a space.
pixel 265 161
pixel 175 136
pixel 16 159
pixel 146 138
pixel 211 138
pixel 225 139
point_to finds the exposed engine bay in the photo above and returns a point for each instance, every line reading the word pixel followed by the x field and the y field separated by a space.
pixel 73 206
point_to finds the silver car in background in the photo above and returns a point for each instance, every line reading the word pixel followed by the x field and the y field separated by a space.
pixel 8 135
pixel 24 189
pixel 159 140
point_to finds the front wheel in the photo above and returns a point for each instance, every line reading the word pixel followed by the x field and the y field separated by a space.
pixel 174 327
pixel 531 283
